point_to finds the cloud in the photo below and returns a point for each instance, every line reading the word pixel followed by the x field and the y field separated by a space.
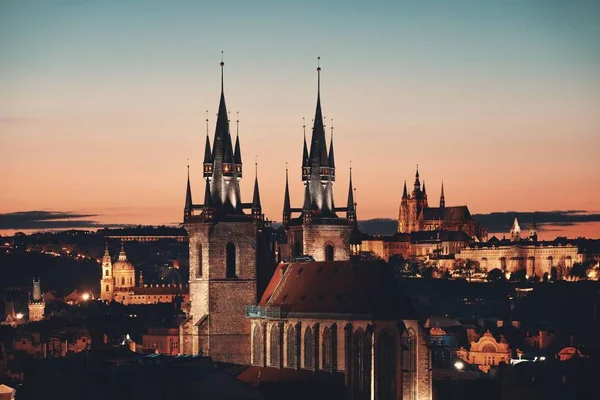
pixel 46 220
pixel 502 221
pixel 498 221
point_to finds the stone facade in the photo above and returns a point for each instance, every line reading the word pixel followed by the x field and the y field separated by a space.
pixel 486 351
pixel 314 239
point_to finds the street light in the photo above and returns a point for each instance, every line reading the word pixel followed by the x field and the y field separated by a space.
pixel 459 365
pixel 85 296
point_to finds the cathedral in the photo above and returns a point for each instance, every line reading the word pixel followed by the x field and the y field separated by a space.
pixel 118 284
pixel 335 313
pixel 415 214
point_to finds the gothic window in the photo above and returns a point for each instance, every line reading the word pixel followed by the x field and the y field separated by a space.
pixel 357 363
pixel 408 364
pixel 327 349
pixel 257 346
pixel 329 252
pixel 199 260
pixel 292 348
pixel 308 348
pixel 230 260
pixel 386 366
pixel 274 349
pixel 367 346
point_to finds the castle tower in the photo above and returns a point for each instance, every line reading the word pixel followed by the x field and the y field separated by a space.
pixel 107 282
pixel 36 303
pixel 403 213
pixel 515 231
pixel 226 246
pixel 319 231
pixel 533 235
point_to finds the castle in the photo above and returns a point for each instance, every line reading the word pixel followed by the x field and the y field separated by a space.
pixel 337 314
pixel 118 284
pixel 416 215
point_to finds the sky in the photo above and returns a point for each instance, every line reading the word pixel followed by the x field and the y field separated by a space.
pixel 103 102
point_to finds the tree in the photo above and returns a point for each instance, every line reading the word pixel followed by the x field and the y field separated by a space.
pixel 546 277
pixel 578 271
pixel 518 276
pixel 553 274
pixel 496 275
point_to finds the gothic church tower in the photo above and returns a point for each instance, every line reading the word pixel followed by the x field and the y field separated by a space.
pixel 36 303
pixel 107 282
pixel 319 231
pixel 226 246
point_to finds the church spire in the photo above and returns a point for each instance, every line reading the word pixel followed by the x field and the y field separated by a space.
pixel 442 198
pixel 405 192
pixel 287 208
pixel 424 190
pixel 318 147
pixel 351 213
pixel 238 152
pixel 256 207
pixel 187 211
pixel 331 156
pixel 417 182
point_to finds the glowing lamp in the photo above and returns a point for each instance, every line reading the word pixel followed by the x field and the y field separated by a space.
pixel 85 296
pixel 19 315
pixel 459 365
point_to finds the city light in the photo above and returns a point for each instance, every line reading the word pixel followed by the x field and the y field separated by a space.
pixel 20 315
pixel 85 296
pixel 459 365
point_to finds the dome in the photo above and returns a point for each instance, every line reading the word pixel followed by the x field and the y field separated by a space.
pixel 122 264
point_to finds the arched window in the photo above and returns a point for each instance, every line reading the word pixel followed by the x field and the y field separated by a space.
pixel 329 252
pixel 328 349
pixel 357 363
pixel 105 272
pixel 409 364
pixel 107 289
pixel 309 350
pixel 386 367
pixel 199 260
pixel 230 260
pixel 367 346
pixel 292 348
pixel 275 344
pixel 257 346
pixel 123 280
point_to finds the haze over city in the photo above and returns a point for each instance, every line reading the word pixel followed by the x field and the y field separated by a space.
pixel 103 103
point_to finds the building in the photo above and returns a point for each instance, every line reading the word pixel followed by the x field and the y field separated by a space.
pixel 343 317
pixel 161 341
pixel 517 253
pixel 36 303
pixel 118 284
pixel 416 215
pixel 230 256
pixel 340 316
pixel 486 351
pixel 318 230
pixel 428 245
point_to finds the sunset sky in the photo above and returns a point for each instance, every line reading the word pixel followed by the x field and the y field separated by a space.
pixel 102 102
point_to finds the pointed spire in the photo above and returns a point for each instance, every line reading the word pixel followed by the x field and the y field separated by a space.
pixel 305 150
pixel 331 156
pixel 207 152
pixel 222 128
pixel 350 192
pixel 222 65
pixel 442 197
pixel 256 197
pixel 424 190
pixel 238 152
pixel 286 198
pixel 207 196
pixel 307 204
pixel 417 182
pixel 228 156
pixel 318 147
pixel 405 192
pixel 188 193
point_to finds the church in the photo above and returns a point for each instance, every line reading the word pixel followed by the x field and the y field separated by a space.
pixel 334 314
pixel 416 215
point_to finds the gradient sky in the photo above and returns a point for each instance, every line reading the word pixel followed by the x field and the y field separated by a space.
pixel 102 102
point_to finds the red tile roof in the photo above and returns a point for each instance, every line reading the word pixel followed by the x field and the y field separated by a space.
pixel 356 289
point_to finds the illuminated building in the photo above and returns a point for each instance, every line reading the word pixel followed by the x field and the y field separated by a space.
pixel 486 351
pixel 416 215
pixel 36 303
